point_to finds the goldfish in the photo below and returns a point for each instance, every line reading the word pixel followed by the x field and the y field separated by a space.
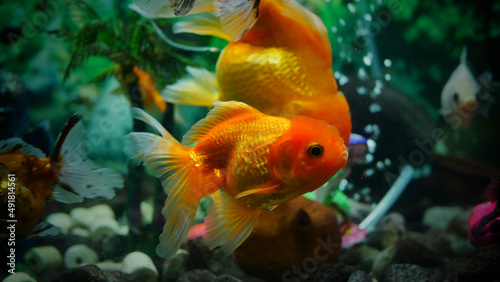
pixel 245 160
pixel 462 95
pixel 236 17
pixel 148 90
pixel 281 66
pixel 28 179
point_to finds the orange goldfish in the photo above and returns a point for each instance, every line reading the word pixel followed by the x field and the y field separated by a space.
pixel 281 66
pixel 148 90
pixel 244 159
pixel 28 179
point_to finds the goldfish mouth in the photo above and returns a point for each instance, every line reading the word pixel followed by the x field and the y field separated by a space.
pixel 342 159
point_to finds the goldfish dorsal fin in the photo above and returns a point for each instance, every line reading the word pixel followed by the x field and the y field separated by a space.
pixel 229 222
pixel 236 16
pixel 80 174
pixel 257 191
pixel 294 10
pixel 463 56
pixel 223 111
pixel 201 24
pixel 145 117
pixel 17 146
pixel 198 88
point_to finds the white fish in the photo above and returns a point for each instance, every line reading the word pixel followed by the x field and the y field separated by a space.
pixel 461 95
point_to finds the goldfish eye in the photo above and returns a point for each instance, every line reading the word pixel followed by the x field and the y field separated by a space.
pixel 455 97
pixel 315 150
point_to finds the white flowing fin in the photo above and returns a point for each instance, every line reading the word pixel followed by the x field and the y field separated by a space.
pixel 44 229
pixel 198 88
pixel 17 146
pixel 63 196
pixel 229 222
pixel 75 171
pixel 201 24
pixel 236 16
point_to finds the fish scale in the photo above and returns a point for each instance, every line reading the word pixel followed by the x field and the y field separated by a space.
pixel 232 147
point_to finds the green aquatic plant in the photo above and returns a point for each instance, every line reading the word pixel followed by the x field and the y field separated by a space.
pixel 124 44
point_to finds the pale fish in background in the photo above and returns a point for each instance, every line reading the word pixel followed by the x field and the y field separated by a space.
pixel 463 96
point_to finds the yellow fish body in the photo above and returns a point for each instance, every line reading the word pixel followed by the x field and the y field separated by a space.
pixel 281 66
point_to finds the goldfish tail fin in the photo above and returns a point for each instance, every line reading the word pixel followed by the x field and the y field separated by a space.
pixel 198 88
pixel 76 173
pixel 229 222
pixel 236 16
pixel 162 8
pixel 183 180
pixel 44 229
pixel 201 24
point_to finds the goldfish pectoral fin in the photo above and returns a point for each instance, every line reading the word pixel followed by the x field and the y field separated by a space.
pixel 272 207
pixel 257 191
pixel 201 24
pixel 64 196
pixel 222 111
pixel 17 146
pixel 44 229
pixel 198 88
pixel 82 175
pixel 236 16
pixel 229 222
